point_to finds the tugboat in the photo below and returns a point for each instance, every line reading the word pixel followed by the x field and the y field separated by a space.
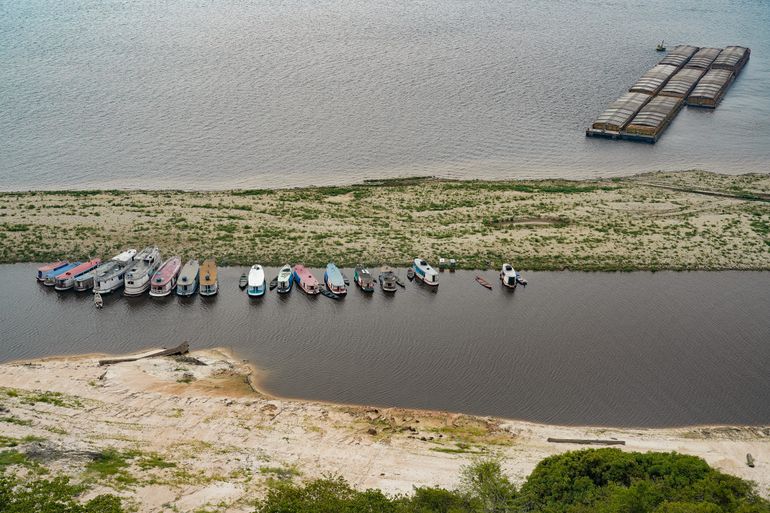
pixel 661 47
pixel 363 278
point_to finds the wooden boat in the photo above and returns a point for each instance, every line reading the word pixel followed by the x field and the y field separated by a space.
pixel 257 284
pixel 273 283
pixel 49 277
pixel 66 280
pixel 306 281
pixel 424 272
pixel 334 280
pixel 209 282
pixel 137 278
pixel 285 279
pixel 98 301
pixel 189 276
pixel 363 278
pixel 483 282
pixel 328 293
pixel 508 276
pixel 243 281
pixel 410 274
pixel 49 268
pixel 164 279
pixel 387 279
pixel 661 47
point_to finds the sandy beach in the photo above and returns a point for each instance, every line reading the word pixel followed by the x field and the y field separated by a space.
pixel 689 220
pixel 193 431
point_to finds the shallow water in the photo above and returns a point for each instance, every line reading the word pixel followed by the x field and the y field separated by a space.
pixel 633 349
pixel 227 93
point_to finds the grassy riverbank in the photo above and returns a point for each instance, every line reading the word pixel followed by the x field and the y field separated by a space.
pixel 688 220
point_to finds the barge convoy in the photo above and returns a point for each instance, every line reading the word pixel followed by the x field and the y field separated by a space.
pixel 688 75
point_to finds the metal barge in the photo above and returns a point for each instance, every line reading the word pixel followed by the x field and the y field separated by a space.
pixel 681 84
pixel 679 55
pixel 653 119
pixel 617 115
pixel 733 58
pixel 654 79
pixel 703 58
pixel 711 88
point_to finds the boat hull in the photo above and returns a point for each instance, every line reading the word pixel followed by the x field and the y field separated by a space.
pixel 257 290
pixel 84 285
pixel 110 285
pixel 209 290
pixel 162 291
pixel 137 287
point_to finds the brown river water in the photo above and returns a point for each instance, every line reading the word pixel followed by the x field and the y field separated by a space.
pixel 616 349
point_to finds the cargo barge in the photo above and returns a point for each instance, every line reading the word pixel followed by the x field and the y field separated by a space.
pixel 681 84
pixel 653 119
pixel 618 115
pixel 679 56
pixel 711 88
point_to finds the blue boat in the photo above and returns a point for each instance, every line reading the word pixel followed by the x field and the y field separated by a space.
pixel 334 280
pixel 424 272
pixel 49 278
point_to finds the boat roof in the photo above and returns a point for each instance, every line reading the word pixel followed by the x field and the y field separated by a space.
pixel 126 256
pixel 80 268
pixel 52 266
pixel 208 272
pixel 334 275
pixel 189 270
pixel 60 270
pixel 256 275
pixel 305 274
pixel 169 268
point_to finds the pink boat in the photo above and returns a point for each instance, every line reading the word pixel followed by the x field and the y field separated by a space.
pixel 42 271
pixel 164 279
pixel 306 280
pixel 66 280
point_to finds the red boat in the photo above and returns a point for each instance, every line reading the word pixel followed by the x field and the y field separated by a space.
pixel 305 279
pixel 66 280
pixel 164 279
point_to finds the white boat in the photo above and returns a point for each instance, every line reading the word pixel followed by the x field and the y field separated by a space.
pixel 285 280
pixel 424 272
pixel 187 283
pixel 108 277
pixel 257 285
pixel 508 276
pixel 137 278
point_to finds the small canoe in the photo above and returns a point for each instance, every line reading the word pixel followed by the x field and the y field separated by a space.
pixel 410 274
pixel 274 283
pixel 483 282
pixel 243 281
pixel 400 283
pixel 98 301
pixel 328 293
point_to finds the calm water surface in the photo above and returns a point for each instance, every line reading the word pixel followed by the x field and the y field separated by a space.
pixel 637 349
pixel 231 93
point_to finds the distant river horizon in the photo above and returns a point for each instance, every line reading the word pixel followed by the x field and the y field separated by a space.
pixel 230 94
pixel 607 349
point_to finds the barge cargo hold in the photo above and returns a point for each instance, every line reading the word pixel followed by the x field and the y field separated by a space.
pixel 711 88
pixel 703 58
pixel 682 83
pixel 653 119
pixel 654 79
pixel 679 55
pixel 732 58
pixel 618 115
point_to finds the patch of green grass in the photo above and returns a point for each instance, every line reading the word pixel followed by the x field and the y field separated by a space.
pixel 54 398
pixel 12 457
pixel 16 420
pixel 284 473
pixel 154 460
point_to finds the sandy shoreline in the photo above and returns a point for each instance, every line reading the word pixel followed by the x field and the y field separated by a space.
pixel 221 440
pixel 679 221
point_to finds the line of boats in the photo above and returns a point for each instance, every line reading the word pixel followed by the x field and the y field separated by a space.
pixel 136 273
pixel 145 271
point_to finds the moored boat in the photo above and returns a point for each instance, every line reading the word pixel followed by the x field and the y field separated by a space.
pixel 243 281
pixel 483 282
pixel 164 279
pixel 85 281
pixel 257 283
pixel 508 276
pixel 208 274
pixel 187 283
pixel 109 275
pixel 306 281
pixel 424 272
pixel 363 278
pixel 98 301
pixel 66 280
pixel 48 268
pixel 137 278
pixel 285 279
pixel 49 277
pixel 334 280
pixel 387 279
